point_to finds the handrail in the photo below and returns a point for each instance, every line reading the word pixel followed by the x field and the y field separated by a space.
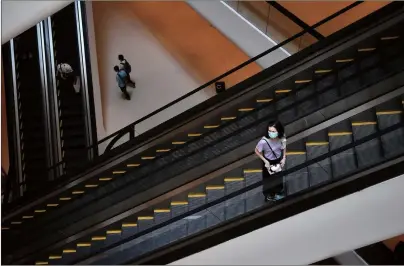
pixel 231 71
pixel 278 177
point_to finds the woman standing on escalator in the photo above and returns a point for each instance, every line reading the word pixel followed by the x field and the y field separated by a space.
pixel 271 149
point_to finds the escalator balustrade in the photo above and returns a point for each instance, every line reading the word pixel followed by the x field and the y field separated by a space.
pixel 376 135
pixel 31 120
pixel 70 104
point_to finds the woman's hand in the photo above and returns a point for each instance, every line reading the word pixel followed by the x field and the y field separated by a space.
pixel 267 164
pixel 283 162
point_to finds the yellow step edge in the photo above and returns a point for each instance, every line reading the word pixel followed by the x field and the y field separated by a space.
pixel 118 172
pixel 211 126
pixel 344 60
pixel 40 211
pixel 282 91
pixel 295 153
pixel 114 232
pixel 84 244
pixel 366 49
pixel 320 71
pixel 27 217
pixel 194 134
pixel 77 192
pixel 145 218
pixel 196 195
pixel 318 143
pixel 228 118
pixel 55 257
pixel 163 150
pixel 264 100
pixel 98 238
pixel 245 109
pixel 178 142
pixel 333 134
pixel 16 222
pixel 162 210
pixel 363 123
pixel 133 165
pixel 233 179
pixel 5 228
pixel 302 81
pixel 69 251
pixel 214 187
pixel 104 178
pixel 91 185
pixel 52 205
pixel 178 203
pixel 389 38
pixel 41 263
pixel 389 112
pixel 129 225
pixel 65 198
pixel 248 171
pixel 148 158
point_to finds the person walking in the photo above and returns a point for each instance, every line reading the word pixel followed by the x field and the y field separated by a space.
pixel 124 64
pixel 121 79
pixel 271 149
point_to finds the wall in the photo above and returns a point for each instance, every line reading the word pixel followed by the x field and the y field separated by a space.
pixel 312 12
pixel 251 41
pixel 172 51
pixel 354 221
pixel 392 242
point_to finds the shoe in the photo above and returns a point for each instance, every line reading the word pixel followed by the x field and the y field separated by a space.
pixel 269 199
pixel 279 196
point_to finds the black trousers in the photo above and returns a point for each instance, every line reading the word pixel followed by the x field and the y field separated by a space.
pixel 271 188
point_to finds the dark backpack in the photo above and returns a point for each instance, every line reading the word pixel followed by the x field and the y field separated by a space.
pixel 127 66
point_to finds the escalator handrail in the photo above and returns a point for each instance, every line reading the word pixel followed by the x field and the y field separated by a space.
pixel 278 177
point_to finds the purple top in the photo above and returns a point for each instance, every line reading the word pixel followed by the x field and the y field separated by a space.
pixel 277 145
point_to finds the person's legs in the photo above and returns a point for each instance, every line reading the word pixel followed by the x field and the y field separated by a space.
pixel 266 186
pixel 125 92
pixel 130 81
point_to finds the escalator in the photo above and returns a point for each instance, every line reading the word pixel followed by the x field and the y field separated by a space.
pixel 29 103
pixel 71 111
pixel 331 153
pixel 350 95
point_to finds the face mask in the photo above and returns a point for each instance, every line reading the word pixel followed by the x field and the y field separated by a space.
pixel 272 135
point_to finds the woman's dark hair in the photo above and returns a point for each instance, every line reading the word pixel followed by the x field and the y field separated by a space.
pixel 278 126
pixel 116 68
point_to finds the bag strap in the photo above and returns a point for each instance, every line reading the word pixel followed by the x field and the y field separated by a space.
pixel 271 148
